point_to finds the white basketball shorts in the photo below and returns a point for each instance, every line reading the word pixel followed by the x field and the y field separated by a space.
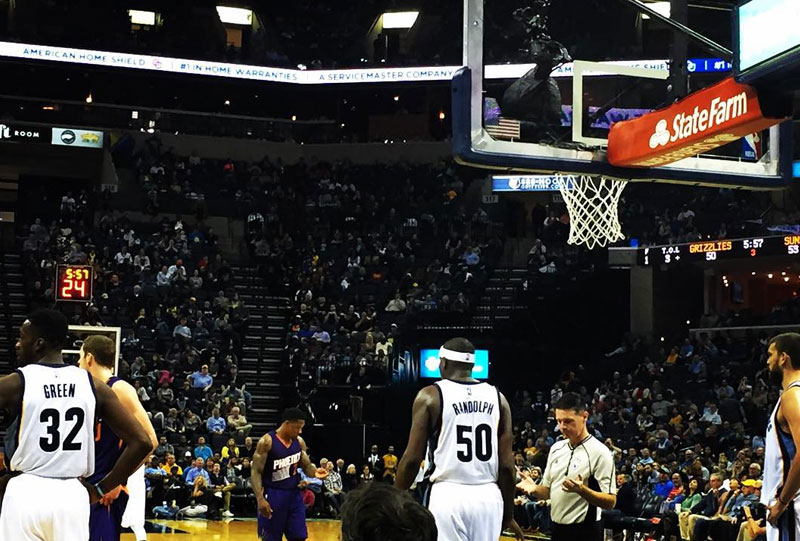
pixel 467 512
pixel 41 509
pixel 137 494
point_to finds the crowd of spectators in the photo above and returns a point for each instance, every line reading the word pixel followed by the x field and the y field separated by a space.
pixel 664 214
pixel 357 249
pixel 172 294
pixel 682 422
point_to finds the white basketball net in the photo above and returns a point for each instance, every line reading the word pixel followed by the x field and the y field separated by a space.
pixel 592 203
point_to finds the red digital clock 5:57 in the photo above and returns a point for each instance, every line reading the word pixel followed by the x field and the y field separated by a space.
pixel 74 283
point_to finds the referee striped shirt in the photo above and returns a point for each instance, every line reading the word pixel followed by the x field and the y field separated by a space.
pixel 591 460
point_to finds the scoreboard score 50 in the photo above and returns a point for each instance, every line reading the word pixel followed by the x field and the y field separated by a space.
pixel 713 250
pixel 74 283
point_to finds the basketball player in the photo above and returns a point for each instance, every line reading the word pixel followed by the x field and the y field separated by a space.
pixel 275 479
pixel 466 426
pixel 579 478
pixel 781 462
pixel 97 357
pixel 50 444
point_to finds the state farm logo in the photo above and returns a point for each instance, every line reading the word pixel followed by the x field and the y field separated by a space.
pixel 661 137
pixel 685 125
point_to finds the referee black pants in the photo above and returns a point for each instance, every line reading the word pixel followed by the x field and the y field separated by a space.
pixel 591 531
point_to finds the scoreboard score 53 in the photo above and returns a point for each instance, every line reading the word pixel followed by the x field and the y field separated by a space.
pixel 74 283
pixel 713 250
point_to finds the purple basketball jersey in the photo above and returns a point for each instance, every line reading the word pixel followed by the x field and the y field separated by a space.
pixel 280 470
pixel 107 446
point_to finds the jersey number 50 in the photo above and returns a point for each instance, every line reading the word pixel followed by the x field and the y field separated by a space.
pixel 53 440
pixel 482 440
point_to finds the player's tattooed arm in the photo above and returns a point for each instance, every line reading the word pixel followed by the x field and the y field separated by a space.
pixel 259 462
pixel 310 469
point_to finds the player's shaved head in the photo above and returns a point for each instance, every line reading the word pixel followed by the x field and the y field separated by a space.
pixel 42 335
pixel 49 325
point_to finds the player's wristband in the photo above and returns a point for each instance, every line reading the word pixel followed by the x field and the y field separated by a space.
pixel 99 490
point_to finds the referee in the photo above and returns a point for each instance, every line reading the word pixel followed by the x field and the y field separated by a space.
pixel 579 480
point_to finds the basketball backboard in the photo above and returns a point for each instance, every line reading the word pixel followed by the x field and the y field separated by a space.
pixel 78 333
pixel 484 137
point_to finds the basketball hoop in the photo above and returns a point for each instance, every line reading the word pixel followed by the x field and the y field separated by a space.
pixel 592 204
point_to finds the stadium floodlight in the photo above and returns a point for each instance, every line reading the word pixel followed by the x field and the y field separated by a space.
pixel 661 7
pixel 144 18
pixel 399 19
pixel 229 15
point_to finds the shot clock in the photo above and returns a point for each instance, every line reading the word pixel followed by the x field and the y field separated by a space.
pixel 74 283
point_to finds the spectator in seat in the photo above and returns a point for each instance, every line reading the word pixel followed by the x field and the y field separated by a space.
pixel 661 408
pixel 389 465
pixel 238 423
pixel 334 489
pixel 248 449
pixel 202 450
pixel 215 424
pixel 704 509
pixel 366 475
pixel 230 450
pixel 711 415
pixel 669 522
pixel 164 448
pixel 754 471
pixel 198 502
pixel 221 488
pixel 350 478
pixel 664 485
pixel 182 331
pixel 397 304
pixel 197 470
pixel 191 422
pixel 202 379
pixel 625 495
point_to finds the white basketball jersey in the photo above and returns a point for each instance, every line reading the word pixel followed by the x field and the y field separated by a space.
pixel 54 436
pixel 465 448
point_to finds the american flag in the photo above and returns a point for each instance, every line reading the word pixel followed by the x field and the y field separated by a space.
pixel 506 128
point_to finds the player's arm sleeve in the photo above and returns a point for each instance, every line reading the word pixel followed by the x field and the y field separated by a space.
pixel 259 462
pixel 130 400
pixel 130 431
pixel 421 427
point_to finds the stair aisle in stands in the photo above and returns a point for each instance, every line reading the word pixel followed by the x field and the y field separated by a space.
pixel 263 346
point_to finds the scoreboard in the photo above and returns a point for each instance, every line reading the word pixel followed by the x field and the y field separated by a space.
pixel 713 250
pixel 74 283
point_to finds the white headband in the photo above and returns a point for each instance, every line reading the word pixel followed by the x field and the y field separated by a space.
pixel 457 356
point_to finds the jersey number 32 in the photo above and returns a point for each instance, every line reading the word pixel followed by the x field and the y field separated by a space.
pixel 52 418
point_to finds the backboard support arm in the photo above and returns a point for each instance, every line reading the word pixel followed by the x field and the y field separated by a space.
pixel 708 44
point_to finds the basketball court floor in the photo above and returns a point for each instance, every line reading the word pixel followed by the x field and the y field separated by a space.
pixel 230 530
